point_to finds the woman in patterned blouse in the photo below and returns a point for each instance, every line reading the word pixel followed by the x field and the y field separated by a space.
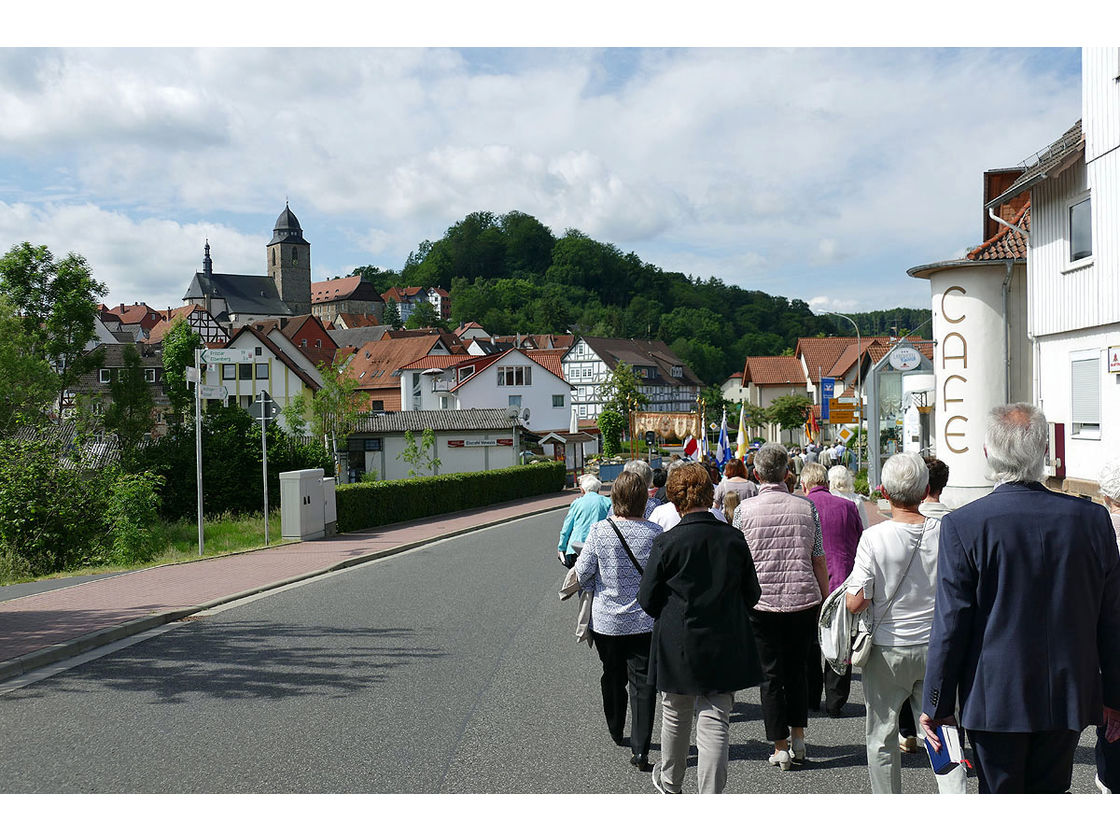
pixel 620 628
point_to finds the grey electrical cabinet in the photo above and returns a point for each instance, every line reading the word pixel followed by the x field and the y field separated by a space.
pixel 302 505
pixel 330 508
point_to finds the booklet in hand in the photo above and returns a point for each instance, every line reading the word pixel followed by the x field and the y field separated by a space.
pixel 951 753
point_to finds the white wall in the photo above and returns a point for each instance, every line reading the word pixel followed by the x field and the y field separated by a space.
pixel 483 391
pixel 454 459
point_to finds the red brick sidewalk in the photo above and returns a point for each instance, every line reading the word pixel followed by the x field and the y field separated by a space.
pixel 38 629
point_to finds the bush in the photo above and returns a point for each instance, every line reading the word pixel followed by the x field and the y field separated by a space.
pixel 611 424
pixel 52 516
pixel 132 515
pixel 361 506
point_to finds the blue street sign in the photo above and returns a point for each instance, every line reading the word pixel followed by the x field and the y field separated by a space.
pixel 828 390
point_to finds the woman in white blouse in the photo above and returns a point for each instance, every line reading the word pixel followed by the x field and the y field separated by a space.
pixel 895 578
pixel 620 628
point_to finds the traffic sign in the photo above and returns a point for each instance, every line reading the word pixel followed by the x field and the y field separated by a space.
pixel 227 356
pixel 845 435
pixel 262 403
pixel 212 392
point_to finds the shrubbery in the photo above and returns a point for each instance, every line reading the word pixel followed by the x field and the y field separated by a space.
pixel 378 503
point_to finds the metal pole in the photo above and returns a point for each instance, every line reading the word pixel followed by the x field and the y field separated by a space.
pixel 264 461
pixel 198 445
pixel 859 389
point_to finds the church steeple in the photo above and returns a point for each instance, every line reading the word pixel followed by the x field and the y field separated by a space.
pixel 289 263
pixel 207 263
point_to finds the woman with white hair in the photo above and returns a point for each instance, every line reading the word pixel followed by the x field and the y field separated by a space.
pixel 840 484
pixel 644 471
pixel 1108 755
pixel 589 508
pixel 895 576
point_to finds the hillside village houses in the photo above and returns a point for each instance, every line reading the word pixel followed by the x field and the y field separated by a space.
pixel 1034 313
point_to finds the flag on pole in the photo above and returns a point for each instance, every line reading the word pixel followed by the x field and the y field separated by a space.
pixel 723 447
pixel 691 447
pixel 741 444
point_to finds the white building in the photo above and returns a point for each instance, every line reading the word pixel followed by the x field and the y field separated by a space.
pixel 528 380
pixel 476 440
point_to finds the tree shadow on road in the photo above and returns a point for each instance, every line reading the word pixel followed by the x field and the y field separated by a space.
pixel 247 660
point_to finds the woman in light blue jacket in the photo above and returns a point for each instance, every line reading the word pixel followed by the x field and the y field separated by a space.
pixel 584 512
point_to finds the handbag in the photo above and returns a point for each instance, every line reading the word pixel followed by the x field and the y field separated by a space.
pixel 863 632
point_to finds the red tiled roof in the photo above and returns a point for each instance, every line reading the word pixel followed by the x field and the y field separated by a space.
pixel 922 345
pixel 1007 244
pixel 441 361
pixel 467 326
pixel 351 320
pixel 820 354
pixel 134 314
pixel 159 330
pixel 548 359
pixel 852 354
pixel 773 370
pixel 374 363
pixel 341 287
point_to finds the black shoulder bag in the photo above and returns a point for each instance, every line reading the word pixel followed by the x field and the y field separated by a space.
pixel 629 553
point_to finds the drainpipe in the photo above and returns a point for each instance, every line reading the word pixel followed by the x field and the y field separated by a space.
pixel 1006 287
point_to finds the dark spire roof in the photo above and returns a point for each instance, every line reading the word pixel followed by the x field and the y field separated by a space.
pixel 287 228
pixel 207 263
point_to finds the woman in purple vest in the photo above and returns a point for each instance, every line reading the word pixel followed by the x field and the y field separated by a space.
pixel 783 533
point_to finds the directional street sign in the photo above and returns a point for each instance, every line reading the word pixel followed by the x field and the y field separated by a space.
pixel 263 402
pixel 191 374
pixel 212 392
pixel 227 356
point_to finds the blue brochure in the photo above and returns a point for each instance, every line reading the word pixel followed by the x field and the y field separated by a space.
pixel 951 752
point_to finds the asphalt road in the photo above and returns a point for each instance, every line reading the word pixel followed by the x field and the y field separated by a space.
pixel 448 669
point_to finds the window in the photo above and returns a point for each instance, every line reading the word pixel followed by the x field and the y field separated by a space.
pixel 377 405
pixel 521 375
pixel 257 351
pixel 295 254
pixel 464 372
pixel 583 411
pixel 318 343
pixel 149 374
pixel 373 444
pixel 1080 230
pixel 677 371
pixel 1085 393
pixel 515 400
pixel 262 371
pixel 557 400
pixel 303 343
pixel 229 372
pixel 586 372
pixel 246 402
pixel 104 375
pixel 245 371
pixel 273 262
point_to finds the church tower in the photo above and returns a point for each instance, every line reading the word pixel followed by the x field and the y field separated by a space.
pixel 289 263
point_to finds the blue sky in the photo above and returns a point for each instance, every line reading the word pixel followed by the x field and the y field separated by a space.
pixel 818 173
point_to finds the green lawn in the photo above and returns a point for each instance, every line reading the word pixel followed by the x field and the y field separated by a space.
pixel 223 535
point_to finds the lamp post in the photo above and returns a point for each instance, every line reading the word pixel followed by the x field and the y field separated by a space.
pixel 859 388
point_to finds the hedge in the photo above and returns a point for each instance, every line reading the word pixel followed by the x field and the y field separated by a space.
pixel 361 506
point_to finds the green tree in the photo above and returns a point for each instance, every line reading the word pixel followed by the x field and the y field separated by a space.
pixel 714 404
pixel 382 279
pixel 789 411
pixel 420 457
pixel 611 424
pixel 179 344
pixel 27 383
pixel 622 391
pixel 295 415
pixel 336 407
pixel 57 302
pixel 130 413
pixel 424 315
pixel 391 315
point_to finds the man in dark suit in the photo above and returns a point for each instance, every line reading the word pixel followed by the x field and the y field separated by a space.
pixel 1026 628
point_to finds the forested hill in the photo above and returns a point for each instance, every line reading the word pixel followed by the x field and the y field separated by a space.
pixel 511 274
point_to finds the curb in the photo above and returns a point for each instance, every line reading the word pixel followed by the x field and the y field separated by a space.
pixel 64 650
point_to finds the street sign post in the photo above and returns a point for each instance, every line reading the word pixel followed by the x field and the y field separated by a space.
pixel 264 409
pixel 198 447
pixel 227 356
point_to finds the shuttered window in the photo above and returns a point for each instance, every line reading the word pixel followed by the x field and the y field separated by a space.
pixel 1085 392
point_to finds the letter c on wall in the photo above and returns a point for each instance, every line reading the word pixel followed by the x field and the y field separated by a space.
pixel 944 296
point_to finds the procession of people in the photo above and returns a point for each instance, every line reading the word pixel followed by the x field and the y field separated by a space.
pixel 998 621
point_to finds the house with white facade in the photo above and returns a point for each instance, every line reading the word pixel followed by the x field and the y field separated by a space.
pixel 764 379
pixel 668 382
pixel 520 379
pixel 1045 329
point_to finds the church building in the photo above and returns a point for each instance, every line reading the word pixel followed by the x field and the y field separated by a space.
pixel 238 299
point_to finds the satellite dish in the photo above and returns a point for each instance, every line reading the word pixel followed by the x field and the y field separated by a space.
pixel 525 414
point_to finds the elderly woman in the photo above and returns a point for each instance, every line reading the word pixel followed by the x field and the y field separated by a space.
pixel 667 516
pixel 613 559
pixel 644 471
pixel 1108 755
pixel 735 478
pixel 699 584
pixel 784 535
pixel 895 576
pixel 841 529
pixel 840 484
pixel 589 508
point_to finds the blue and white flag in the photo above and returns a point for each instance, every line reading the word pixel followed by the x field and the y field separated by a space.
pixel 723 448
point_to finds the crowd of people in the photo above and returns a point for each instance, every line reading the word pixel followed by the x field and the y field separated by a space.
pixel 1003 614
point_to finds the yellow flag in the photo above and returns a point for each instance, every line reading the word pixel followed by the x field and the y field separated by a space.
pixel 741 446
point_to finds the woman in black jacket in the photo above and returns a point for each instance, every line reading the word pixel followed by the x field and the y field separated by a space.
pixel 699 584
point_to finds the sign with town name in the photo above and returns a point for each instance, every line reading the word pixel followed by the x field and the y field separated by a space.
pixel 905 358
pixel 842 410
pixel 212 392
pixel 227 356
pixel 666 424
pixel 461 444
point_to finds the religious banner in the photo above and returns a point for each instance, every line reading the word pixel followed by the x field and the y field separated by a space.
pixel 666 424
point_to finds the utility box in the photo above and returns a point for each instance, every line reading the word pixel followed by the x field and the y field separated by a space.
pixel 302 505
pixel 330 508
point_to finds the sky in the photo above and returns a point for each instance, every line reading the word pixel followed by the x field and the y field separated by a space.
pixel 814 172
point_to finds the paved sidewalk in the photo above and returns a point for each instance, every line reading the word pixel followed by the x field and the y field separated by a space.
pixel 46 627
